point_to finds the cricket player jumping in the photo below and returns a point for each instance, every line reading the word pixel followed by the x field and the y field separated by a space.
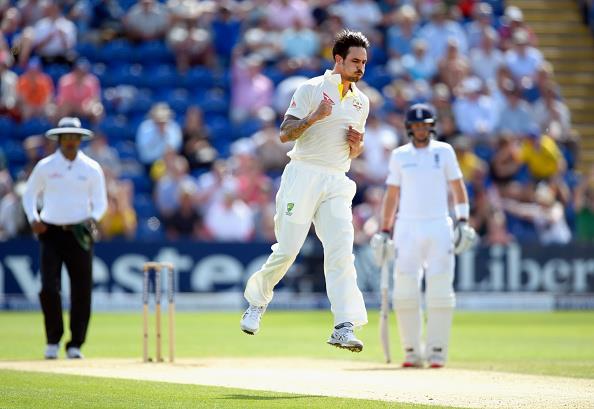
pixel 326 118
pixel 420 173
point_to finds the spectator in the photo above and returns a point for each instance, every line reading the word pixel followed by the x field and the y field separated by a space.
pixel 35 91
pixel 36 147
pixel 473 168
pixel 197 148
pixel 496 230
pixel 419 65
pixel 186 221
pixel 191 42
pixel 552 115
pixel 546 213
pixel 481 23
pixel 439 30
pixel 541 155
pixel 513 21
pixel 158 134
pixel 281 14
pixel 400 35
pixel 264 218
pixel 13 221
pixel 106 155
pixel 486 59
pixel 474 111
pixel 146 20
pixel 79 12
pixel 516 115
pixel 229 218
pixel 365 214
pixel 119 220
pixel 8 86
pixel 441 102
pixel 79 93
pixel 300 46
pixel 454 66
pixel 523 60
pixel 251 183
pixel 106 20
pixel 584 208
pixel 260 39
pixel 504 166
pixel 270 151
pixel 31 11
pixel 360 15
pixel 226 30
pixel 210 184
pixel 53 38
pixel 251 90
pixel 10 29
pixel 380 140
pixel 167 188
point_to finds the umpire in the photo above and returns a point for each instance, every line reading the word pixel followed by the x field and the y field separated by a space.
pixel 70 188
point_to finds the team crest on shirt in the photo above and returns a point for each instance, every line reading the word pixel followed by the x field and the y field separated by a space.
pixel 327 98
pixel 358 105
pixel 290 207
pixel 436 160
pixel 293 104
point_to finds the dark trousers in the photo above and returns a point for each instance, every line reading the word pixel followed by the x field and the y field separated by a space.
pixel 59 246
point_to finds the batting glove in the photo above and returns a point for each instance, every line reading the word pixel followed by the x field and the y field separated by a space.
pixel 464 236
pixel 383 247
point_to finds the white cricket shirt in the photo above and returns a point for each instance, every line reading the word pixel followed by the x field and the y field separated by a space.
pixel 423 176
pixel 324 143
pixel 72 191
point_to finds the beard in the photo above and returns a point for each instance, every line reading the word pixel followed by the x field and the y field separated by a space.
pixel 355 77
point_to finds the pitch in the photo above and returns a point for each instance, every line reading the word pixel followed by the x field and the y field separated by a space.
pixel 289 355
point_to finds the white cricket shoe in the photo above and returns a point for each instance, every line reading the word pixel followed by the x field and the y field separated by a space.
pixel 436 360
pixel 250 321
pixel 412 360
pixel 74 353
pixel 51 351
pixel 344 337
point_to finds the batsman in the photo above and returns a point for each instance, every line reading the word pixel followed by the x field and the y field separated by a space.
pixel 415 220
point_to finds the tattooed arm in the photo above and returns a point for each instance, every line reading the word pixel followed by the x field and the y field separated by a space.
pixel 292 127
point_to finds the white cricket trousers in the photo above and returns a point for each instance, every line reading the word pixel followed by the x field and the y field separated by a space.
pixel 311 193
pixel 424 244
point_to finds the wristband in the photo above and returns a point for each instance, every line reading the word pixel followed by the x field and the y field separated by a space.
pixel 462 211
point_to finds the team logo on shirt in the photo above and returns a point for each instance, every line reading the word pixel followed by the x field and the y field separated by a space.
pixel 290 207
pixel 293 103
pixel 358 105
pixel 436 160
pixel 327 98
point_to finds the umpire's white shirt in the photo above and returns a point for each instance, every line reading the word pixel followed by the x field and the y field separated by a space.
pixel 324 143
pixel 423 176
pixel 72 191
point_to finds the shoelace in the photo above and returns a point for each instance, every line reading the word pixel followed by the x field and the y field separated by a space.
pixel 255 310
pixel 343 334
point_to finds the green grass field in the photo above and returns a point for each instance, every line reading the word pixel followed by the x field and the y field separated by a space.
pixel 560 343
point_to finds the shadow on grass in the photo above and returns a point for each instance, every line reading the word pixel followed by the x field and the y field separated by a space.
pixel 242 396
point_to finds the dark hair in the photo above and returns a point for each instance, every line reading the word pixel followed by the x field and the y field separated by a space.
pixel 347 39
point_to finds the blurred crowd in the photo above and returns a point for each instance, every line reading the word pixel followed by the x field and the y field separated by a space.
pixel 186 97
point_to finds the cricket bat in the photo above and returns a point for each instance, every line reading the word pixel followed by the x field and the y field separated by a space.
pixel 385 311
